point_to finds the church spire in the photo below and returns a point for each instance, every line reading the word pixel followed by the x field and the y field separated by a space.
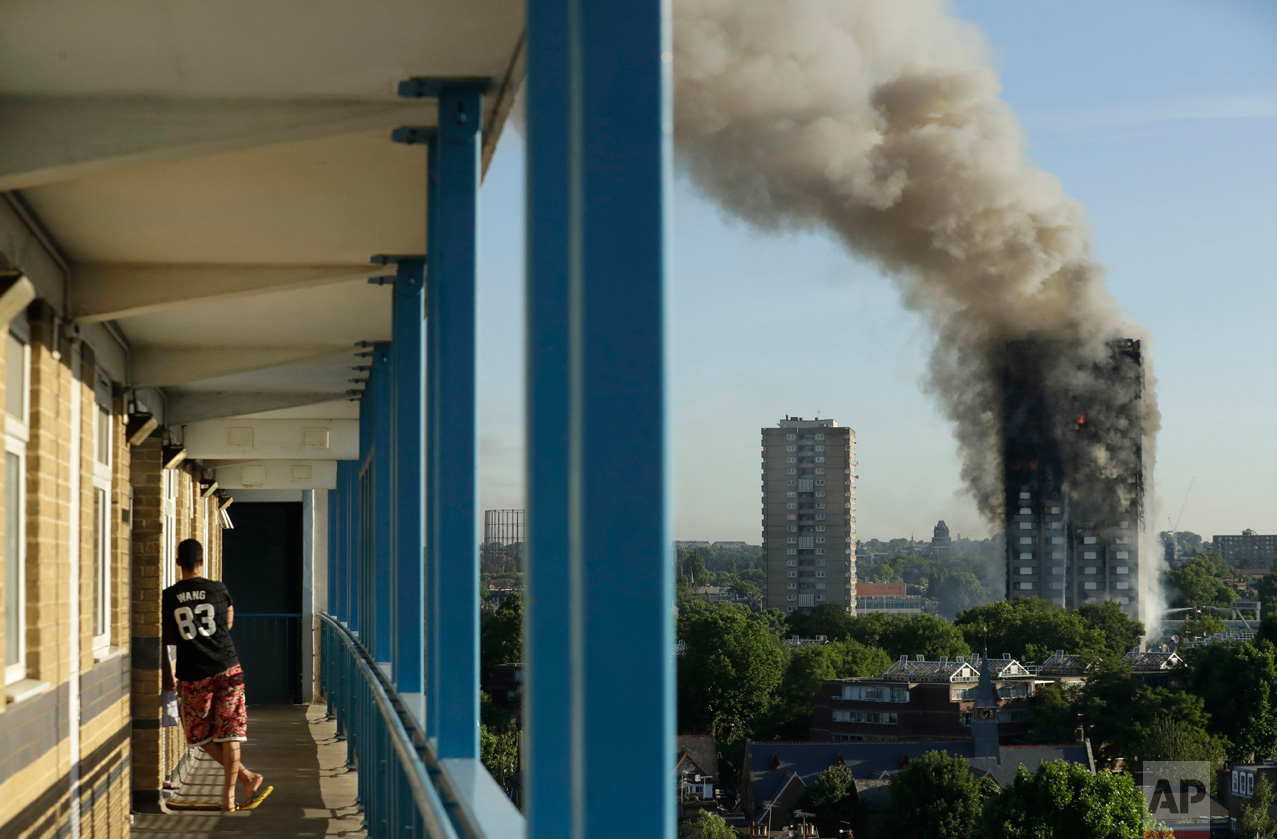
pixel 984 719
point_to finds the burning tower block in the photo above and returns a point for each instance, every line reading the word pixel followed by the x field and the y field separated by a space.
pixel 1073 465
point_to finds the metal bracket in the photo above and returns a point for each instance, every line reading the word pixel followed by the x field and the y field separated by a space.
pixel 431 87
pixel 412 135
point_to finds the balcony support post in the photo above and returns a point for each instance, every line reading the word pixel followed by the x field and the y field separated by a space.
pixel 599 571
pixel 452 514
pixel 408 478
pixel 382 505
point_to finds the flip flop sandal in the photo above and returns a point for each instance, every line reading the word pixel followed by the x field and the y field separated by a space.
pixel 252 803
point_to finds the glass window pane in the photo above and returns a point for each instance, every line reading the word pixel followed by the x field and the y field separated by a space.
pixel 104 435
pixel 99 620
pixel 12 559
pixel 15 378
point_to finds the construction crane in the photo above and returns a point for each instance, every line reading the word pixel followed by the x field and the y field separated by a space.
pixel 1175 524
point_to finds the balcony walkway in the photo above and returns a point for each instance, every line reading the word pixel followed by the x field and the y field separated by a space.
pixel 295 748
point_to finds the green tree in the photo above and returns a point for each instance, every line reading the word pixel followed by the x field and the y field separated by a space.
pixel 1199 582
pixel 499 752
pixel 910 635
pixel 501 635
pixel 826 619
pixel 832 798
pixel 1028 628
pixel 729 671
pixel 694 568
pixel 1267 591
pixel 1255 821
pixel 1054 714
pixel 935 796
pixel 1168 738
pixel 1238 682
pixel 1201 624
pixel 1121 632
pixel 1064 801
pixel 1119 708
pixel 807 670
pixel 706 825
pixel 956 591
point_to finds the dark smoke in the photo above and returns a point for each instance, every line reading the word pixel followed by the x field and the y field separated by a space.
pixel 880 121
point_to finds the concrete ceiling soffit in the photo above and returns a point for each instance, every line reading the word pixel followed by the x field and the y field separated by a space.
pixel 44 140
pixel 275 474
pixel 186 408
pixel 152 366
pixel 110 291
pixel 241 439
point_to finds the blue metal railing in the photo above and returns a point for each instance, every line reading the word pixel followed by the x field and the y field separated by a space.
pixel 403 789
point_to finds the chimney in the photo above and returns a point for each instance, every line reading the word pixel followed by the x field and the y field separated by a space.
pixel 944 659
pixel 904 659
pixel 919 657
pixel 1006 656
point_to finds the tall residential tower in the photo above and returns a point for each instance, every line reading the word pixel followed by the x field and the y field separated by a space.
pixel 809 514
pixel 1072 538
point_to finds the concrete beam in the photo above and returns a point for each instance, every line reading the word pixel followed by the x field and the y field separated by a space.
pixel 45 139
pixel 185 408
pixel 164 366
pixel 276 474
pixel 21 248
pixel 109 291
pixel 245 439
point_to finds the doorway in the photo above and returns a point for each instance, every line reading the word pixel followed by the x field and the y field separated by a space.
pixel 262 566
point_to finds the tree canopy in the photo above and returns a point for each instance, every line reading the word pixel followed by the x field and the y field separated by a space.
pixel 1064 801
pixel 936 796
pixel 501 635
pixel 1200 582
pixel 1029 628
pixel 729 671
pixel 1238 682
pixel 706 825
pixel 832 798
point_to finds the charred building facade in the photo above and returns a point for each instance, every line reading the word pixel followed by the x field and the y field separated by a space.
pixel 1073 472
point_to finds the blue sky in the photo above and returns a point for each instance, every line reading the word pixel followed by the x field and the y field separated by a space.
pixel 1160 115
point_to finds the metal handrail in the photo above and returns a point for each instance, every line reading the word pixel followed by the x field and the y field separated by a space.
pixel 428 803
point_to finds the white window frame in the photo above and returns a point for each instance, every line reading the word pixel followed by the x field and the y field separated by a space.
pixel 102 483
pixel 168 525
pixel 17 433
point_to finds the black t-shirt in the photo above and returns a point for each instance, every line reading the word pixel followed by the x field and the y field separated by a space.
pixel 194 615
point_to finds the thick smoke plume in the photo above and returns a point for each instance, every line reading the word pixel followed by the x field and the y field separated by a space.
pixel 880 120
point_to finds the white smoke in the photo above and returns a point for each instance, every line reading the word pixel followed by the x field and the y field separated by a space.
pixel 880 121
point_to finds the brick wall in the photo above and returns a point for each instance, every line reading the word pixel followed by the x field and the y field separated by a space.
pixel 110 694
pixel 157 751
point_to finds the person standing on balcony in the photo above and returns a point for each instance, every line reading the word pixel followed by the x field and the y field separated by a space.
pixel 197 617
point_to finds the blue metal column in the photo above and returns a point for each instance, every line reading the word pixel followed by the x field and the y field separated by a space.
pixel 350 543
pixel 598 163
pixel 362 579
pixel 408 482
pixel 453 416
pixel 382 591
pixel 334 564
pixel 432 647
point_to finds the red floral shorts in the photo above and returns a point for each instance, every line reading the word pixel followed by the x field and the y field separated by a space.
pixel 213 708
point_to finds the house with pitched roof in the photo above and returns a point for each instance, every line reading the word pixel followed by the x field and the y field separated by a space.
pixel 776 775
pixel 919 699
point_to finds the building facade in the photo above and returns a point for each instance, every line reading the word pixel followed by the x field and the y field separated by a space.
pixel 1062 547
pixel 918 699
pixel 1248 550
pixel 891 598
pixel 809 514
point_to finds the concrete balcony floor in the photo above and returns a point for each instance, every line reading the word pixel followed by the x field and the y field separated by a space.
pixel 296 748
